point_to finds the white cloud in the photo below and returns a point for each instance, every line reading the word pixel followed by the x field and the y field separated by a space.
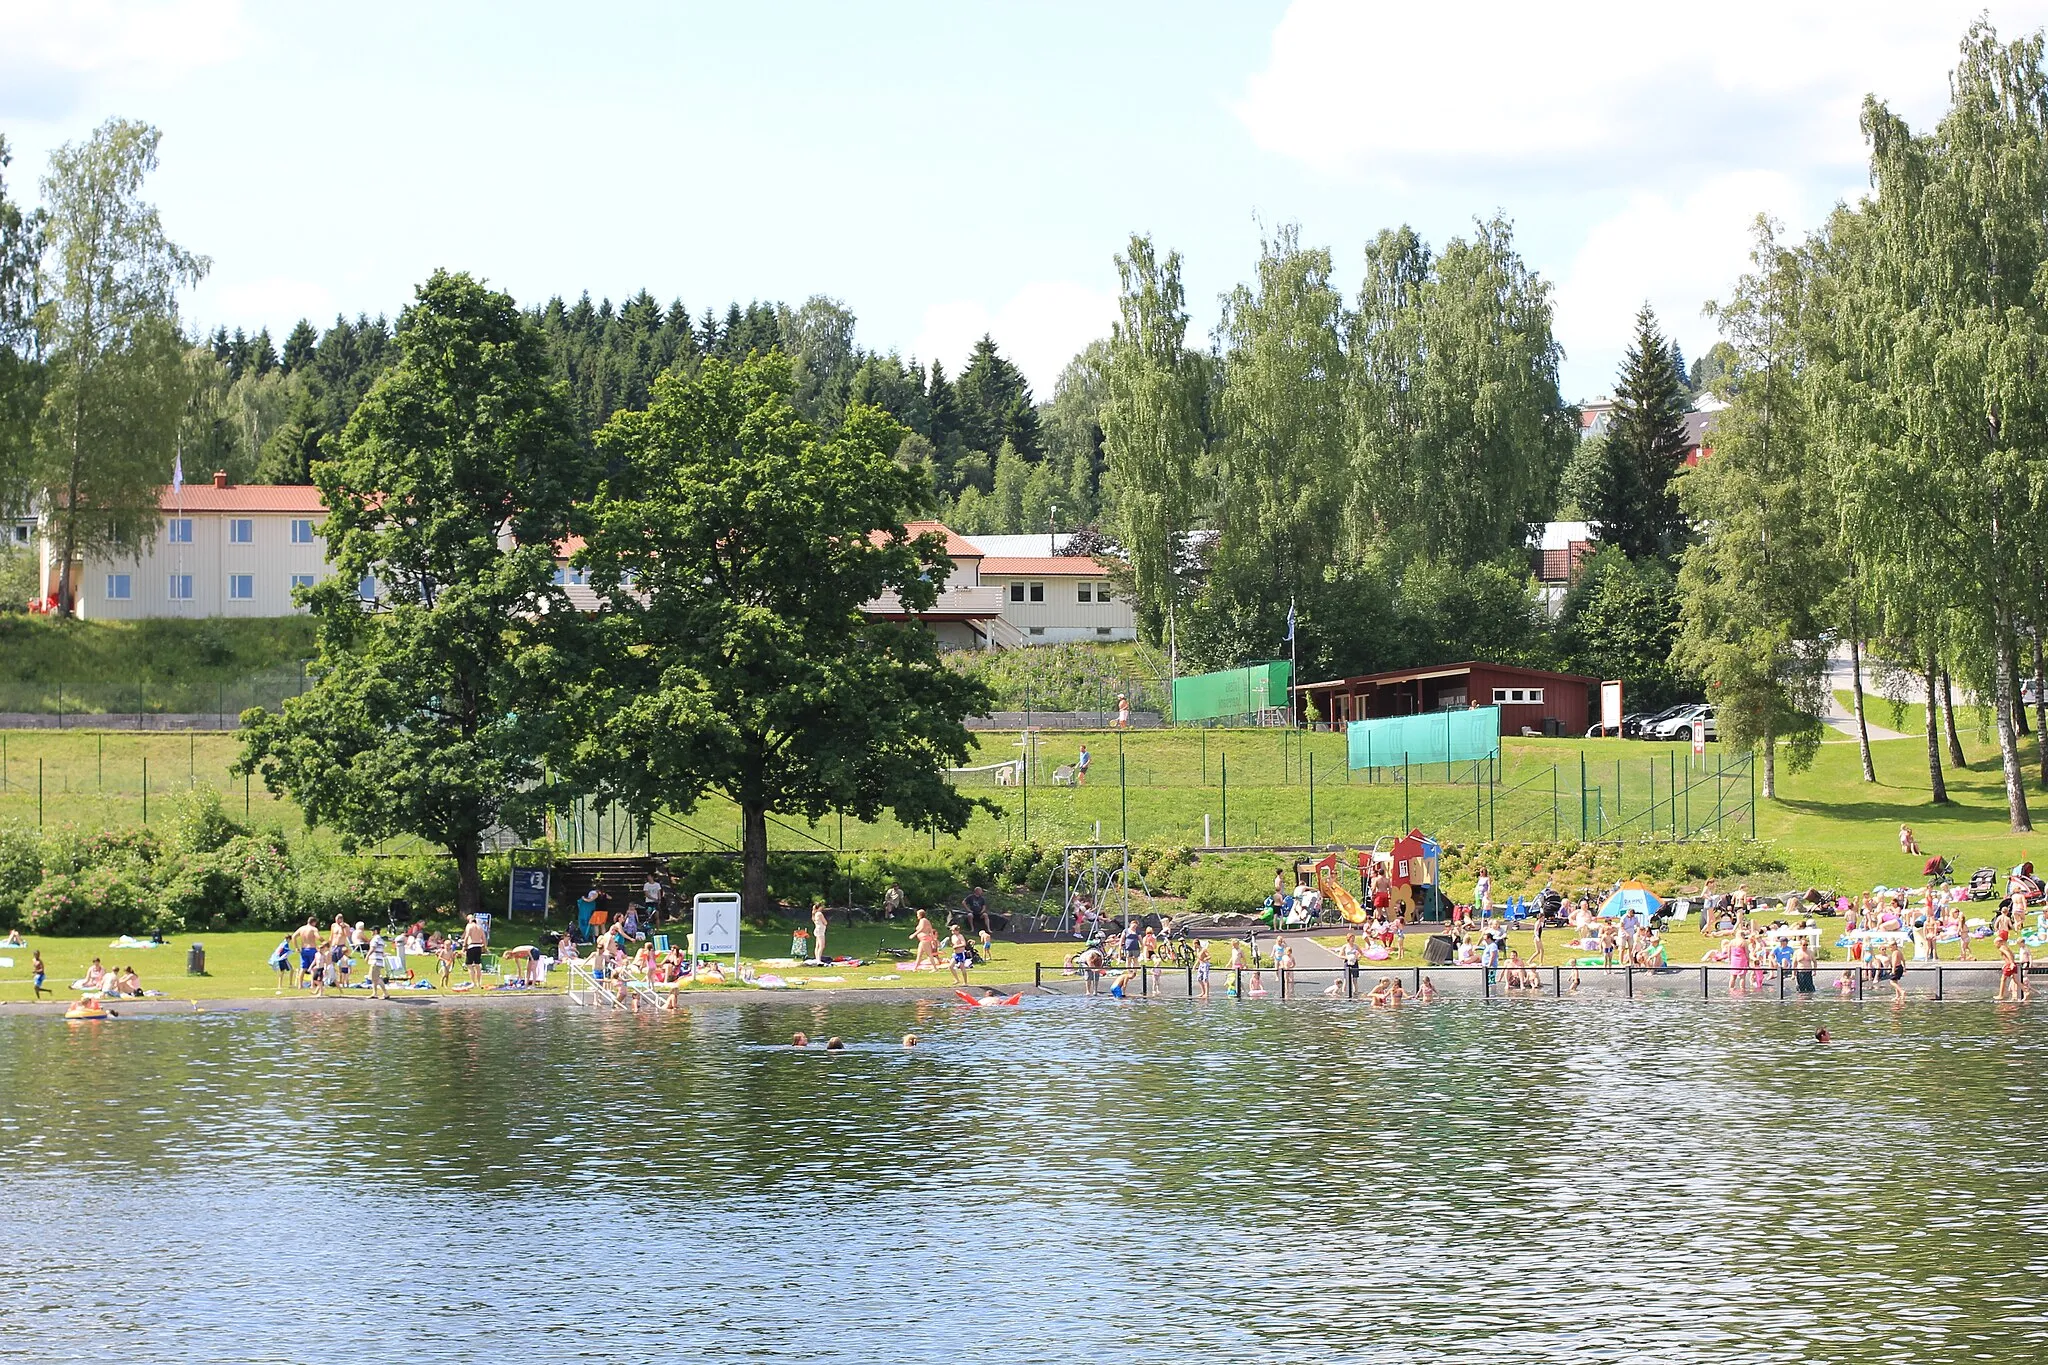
pixel 1393 91
pixel 1674 253
pixel 51 51
pixel 1040 328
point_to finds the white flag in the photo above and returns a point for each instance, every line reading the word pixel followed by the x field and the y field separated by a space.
pixel 178 472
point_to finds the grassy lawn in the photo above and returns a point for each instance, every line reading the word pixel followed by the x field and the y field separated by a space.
pixel 1831 828
pixel 217 664
pixel 238 964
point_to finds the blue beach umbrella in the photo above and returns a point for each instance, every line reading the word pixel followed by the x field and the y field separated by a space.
pixel 1630 896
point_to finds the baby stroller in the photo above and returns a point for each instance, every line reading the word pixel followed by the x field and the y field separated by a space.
pixel 1983 883
pixel 1938 871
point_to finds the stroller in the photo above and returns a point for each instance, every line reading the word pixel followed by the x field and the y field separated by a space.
pixel 1938 871
pixel 1983 883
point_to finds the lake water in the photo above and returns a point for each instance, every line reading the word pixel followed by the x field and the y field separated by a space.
pixel 1515 1180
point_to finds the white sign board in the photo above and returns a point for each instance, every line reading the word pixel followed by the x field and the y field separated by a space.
pixel 1699 740
pixel 1610 706
pixel 715 924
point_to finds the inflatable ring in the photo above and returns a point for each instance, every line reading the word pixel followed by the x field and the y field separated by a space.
pixel 77 1012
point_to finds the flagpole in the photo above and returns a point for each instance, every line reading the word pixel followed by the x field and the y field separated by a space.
pixel 1293 669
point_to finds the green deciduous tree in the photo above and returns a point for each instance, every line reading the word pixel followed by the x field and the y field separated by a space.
pixel 1936 377
pixel 1755 587
pixel 434 710
pixel 117 381
pixel 1152 429
pixel 737 546
pixel 1619 619
pixel 21 254
pixel 1459 431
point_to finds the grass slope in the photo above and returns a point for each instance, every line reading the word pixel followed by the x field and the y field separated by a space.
pixel 171 665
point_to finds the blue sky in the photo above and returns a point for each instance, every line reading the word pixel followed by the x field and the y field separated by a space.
pixel 946 169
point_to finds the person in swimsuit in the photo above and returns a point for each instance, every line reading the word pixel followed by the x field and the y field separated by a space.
pixel 305 938
pixel 35 966
pixel 2008 973
pixel 927 940
pixel 1202 969
pixel 961 959
pixel 320 968
pixel 473 937
pixel 1895 971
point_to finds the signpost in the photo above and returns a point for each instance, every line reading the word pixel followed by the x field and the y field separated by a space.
pixel 1610 706
pixel 715 926
pixel 529 891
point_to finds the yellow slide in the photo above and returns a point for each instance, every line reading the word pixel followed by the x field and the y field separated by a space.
pixel 1335 894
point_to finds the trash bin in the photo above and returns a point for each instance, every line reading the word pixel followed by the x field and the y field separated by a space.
pixel 1439 950
pixel 1551 728
pixel 195 959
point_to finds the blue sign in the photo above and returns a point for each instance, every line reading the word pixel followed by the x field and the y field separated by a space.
pixel 529 890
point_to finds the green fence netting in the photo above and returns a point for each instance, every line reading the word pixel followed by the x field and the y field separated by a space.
pixel 1233 692
pixel 1441 737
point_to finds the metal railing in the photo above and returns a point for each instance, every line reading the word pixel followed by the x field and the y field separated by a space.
pixel 1577 979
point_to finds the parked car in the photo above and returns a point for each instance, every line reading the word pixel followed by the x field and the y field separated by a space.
pixel 2030 691
pixel 1631 728
pixel 1682 725
pixel 1652 724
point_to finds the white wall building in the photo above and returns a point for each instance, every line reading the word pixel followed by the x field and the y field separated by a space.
pixel 219 549
pixel 1049 598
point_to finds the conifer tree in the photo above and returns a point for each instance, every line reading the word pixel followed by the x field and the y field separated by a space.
pixel 1631 502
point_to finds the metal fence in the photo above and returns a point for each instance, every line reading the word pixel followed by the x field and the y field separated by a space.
pixel 1559 981
pixel 146 705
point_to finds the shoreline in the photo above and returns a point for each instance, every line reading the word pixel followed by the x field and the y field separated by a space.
pixel 470 1000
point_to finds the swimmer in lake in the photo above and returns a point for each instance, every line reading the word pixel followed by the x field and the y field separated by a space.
pixel 800 1040
pixel 834 1044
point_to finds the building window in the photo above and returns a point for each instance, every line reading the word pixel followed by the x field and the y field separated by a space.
pixel 366 587
pixel 119 587
pixel 572 578
pixel 241 531
pixel 302 580
pixel 1102 593
pixel 1087 592
pixel 1016 592
pixel 181 530
pixel 1038 630
pixel 241 587
pixel 1102 630
pixel 1513 696
pixel 181 586
pixel 1038 592
pixel 302 531
pixel 21 534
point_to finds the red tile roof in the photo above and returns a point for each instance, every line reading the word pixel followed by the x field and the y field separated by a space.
pixel 957 545
pixel 1046 566
pixel 303 499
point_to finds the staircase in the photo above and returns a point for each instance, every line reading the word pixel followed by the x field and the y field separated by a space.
pixel 619 877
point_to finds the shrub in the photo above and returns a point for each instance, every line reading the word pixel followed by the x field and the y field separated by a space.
pixel 200 822
pixel 21 869
pixel 97 900
pixel 247 883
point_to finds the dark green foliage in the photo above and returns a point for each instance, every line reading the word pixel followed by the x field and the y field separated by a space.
pixel 1626 491
pixel 741 660
pixel 611 359
pixel 1620 620
pixel 432 712
pixel 995 404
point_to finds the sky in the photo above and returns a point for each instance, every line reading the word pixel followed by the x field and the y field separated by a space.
pixel 949 169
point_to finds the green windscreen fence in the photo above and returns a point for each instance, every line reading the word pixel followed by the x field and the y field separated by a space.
pixel 1233 692
pixel 1440 737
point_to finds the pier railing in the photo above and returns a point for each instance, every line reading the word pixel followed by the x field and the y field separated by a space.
pixel 1580 978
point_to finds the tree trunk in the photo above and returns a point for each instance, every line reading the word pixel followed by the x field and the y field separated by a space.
pixel 1770 792
pixel 2008 733
pixel 2040 707
pixel 1934 782
pixel 754 859
pixel 1856 691
pixel 1948 720
pixel 2019 708
pixel 469 882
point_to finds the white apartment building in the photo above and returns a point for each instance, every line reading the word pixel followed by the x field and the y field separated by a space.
pixel 219 549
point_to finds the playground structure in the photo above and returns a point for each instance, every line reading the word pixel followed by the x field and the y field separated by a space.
pixel 1097 874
